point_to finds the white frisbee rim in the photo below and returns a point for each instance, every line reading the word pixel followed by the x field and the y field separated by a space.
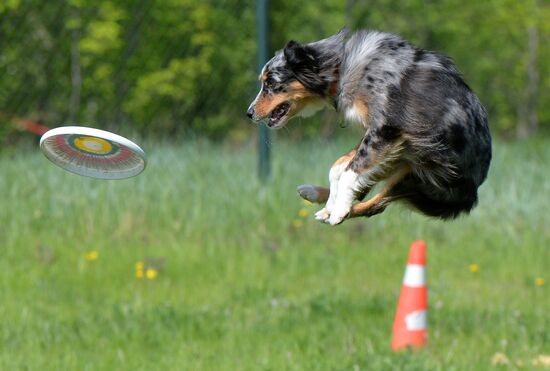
pixel 98 133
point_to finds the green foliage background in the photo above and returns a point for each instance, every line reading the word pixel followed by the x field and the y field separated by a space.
pixel 179 66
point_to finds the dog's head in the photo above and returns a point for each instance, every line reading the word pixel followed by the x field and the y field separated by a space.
pixel 298 80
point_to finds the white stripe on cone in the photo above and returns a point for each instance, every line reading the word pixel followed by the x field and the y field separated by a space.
pixel 417 320
pixel 415 276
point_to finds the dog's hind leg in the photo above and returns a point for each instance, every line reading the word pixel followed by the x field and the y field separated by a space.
pixel 376 160
pixel 371 207
pixel 379 201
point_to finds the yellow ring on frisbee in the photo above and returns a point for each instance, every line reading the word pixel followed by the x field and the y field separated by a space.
pixel 93 145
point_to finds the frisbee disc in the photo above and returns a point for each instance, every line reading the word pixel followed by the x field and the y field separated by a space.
pixel 93 153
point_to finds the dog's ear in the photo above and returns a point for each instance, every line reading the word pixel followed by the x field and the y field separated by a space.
pixel 304 61
pixel 300 56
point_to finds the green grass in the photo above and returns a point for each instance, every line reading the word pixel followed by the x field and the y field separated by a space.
pixel 242 285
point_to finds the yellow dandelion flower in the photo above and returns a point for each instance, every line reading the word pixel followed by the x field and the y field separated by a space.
pixel 302 213
pixel 151 273
pixel 539 281
pixel 139 274
pixel 474 268
pixel 297 223
pixel 139 266
pixel 306 202
pixel 91 255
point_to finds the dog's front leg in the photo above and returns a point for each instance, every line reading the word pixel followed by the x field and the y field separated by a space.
pixel 318 194
pixel 349 184
pixel 334 177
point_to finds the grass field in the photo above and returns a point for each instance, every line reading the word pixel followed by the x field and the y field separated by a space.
pixel 245 280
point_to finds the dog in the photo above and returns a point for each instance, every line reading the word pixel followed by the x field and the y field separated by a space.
pixel 426 134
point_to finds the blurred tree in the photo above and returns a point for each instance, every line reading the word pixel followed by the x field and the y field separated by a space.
pixel 173 66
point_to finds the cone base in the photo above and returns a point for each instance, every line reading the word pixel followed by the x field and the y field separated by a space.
pixel 411 340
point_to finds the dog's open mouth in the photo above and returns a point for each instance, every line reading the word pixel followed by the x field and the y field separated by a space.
pixel 278 114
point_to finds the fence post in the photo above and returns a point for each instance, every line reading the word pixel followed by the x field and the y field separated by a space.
pixel 263 47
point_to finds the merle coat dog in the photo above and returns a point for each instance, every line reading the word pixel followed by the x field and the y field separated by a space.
pixel 425 131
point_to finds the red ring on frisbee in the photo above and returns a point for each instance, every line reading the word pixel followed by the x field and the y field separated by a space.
pixel 92 152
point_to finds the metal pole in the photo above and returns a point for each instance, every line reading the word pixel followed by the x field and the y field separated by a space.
pixel 263 47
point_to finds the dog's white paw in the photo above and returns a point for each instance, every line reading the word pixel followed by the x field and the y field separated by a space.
pixel 338 215
pixel 308 192
pixel 322 215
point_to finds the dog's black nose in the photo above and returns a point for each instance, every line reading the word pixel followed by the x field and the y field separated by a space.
pixel 250 112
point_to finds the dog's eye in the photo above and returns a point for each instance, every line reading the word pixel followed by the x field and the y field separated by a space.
pixel 269 83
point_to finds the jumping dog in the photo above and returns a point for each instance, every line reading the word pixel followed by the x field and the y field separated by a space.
pixel 426 134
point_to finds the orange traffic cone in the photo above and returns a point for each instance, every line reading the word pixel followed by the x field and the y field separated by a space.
pixel 410 323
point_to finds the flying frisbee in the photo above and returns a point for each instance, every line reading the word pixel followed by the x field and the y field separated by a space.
pixel 93 153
